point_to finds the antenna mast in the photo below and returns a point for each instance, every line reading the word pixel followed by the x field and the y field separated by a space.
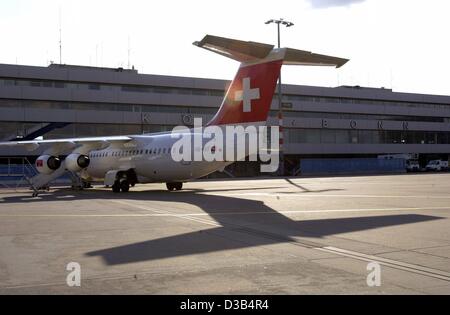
pixel 128 51
pixel 60 38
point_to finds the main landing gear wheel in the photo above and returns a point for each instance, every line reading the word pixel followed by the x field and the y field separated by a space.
pixel 116 187
pixel 124 186
pixel 174 186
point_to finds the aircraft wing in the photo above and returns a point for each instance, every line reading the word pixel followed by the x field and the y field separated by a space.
pixel 70 140
pixel 59 146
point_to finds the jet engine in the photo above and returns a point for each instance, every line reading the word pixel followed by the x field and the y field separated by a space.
pixel 47 164
pixel 75 162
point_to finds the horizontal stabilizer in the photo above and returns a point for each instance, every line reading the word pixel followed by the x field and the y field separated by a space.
pixel 307 58
pixel 247 51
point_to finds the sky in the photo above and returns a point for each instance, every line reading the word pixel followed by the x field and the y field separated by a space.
pixel 398 44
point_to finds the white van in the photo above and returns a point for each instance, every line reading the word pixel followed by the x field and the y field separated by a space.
pixel 437 165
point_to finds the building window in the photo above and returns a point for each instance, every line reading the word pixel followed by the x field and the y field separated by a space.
pixel 93 86
pixel 60 85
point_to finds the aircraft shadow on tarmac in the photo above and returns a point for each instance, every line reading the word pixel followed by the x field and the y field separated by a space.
pixel 242 223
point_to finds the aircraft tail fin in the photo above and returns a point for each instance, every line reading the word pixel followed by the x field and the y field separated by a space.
pixel 249 96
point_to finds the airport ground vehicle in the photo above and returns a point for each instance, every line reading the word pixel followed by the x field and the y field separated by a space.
pixel 437 165
pixel 412 166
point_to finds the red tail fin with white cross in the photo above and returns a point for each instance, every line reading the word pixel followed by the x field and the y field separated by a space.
pixel 250 94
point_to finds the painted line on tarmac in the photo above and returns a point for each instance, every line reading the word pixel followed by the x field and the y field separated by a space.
pixel 318 194
pixel 231 213
pixel 430 272
pixel 169 213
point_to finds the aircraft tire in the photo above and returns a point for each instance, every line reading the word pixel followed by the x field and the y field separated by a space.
pixel 174 186
pixel 124 186
pixel 116 187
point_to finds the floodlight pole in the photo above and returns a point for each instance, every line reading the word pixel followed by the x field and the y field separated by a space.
pixel 280 96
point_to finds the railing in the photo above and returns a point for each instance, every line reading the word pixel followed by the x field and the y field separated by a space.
pixel 16 171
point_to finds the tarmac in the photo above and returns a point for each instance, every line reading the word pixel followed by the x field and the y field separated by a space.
pixel 330 235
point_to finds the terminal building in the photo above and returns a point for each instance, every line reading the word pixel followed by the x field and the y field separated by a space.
pixel 346 122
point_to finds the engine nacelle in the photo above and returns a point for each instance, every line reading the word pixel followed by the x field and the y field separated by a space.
pixel 47 164
pixel 75 162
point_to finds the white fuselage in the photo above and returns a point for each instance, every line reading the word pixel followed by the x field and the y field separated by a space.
pixel 150 157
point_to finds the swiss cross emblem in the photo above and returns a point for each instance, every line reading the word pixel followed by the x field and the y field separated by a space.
pixel 39 163
pixel 246 95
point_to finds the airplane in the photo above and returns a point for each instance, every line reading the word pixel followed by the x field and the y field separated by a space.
pixel 123 161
